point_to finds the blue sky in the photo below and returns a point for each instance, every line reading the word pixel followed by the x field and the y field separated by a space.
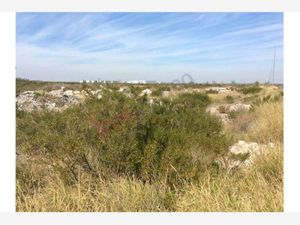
pixel 217 47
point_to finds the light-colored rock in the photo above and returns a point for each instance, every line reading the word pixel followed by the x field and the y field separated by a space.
pixel 84 92
pixel 26 101
pixel 224 117
pixel 124 89
pixel 238 107
pixel 150 101
pixel 50 105
pixel 212 110
pixel 25 96
pixel 68 93
pixel 242 154
pixel 96 92
pixel 218 89
pixel 56 93
pixel 55 100
pixel 146 92
pixel 76 92
pixel 243 147
pixel 221 110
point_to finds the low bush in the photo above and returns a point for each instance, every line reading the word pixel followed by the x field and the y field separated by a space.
pixel 268 98
pixel 250 90
pixel 229 99
pixel 210 91
pixel 117 135
pixel 159 90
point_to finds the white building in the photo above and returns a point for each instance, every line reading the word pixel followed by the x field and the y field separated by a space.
pixel 136 82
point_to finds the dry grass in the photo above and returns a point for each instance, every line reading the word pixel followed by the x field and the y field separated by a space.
pixel 263 125
pixel 120 194
pixel 219 98
pixel 258 189
pixel 268 123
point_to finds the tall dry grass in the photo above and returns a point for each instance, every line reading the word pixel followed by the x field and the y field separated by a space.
pixel 90 195
pixel 268 123
pixel 259 189
pixel 263 125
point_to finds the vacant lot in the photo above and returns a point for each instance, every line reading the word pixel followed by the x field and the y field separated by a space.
pixel 151 147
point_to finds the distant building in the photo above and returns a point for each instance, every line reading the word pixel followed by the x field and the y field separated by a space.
pixel 136 82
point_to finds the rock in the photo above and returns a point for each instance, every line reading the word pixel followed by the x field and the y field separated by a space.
pixel 79 95
pixel 55 100
pixel 124 89
pixel 26 101
pixel 56 93
pixel 84 92
pixel 68 93
pixel 243 147
pixel 97 93
pixel 28 92
pixel 215 110
pixel 150 101
pixel 242 154
pixel 221 111
pixel 76 92
pixel 239 107
pixel 212 110
pixel 29 106
pixel 50 106
pixel 25 96
pixel 224 117
pixel 146 92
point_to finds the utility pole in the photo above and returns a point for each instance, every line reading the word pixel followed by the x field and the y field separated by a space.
pixel 273 80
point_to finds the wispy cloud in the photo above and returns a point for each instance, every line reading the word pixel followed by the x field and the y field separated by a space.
pixel 161 46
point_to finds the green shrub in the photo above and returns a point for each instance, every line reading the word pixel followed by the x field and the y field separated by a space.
pixel 250 90
pixel 266 99
pixel 232 115
pixel 210 91
pixel 229 99
pixel 160 90
pixel 174 141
